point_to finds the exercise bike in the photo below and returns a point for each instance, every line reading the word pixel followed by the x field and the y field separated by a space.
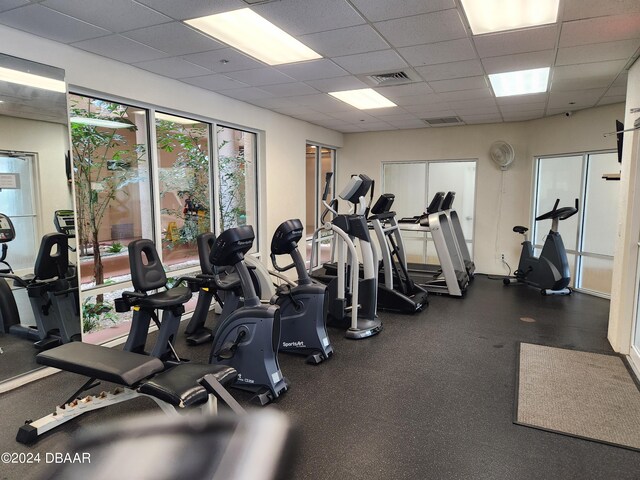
pixel 550 271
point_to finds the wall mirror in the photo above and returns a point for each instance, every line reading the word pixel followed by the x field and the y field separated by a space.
pixel 34 191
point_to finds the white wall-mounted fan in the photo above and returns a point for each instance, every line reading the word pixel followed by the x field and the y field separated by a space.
pixel 502 154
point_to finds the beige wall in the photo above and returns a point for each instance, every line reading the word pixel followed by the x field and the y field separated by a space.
pixel 50 141
pixel 623 296
pixel 502 199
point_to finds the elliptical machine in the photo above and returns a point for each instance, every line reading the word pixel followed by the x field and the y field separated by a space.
pixel 550 271
pixel 303 307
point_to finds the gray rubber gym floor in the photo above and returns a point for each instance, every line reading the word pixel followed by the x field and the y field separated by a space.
pixel 431 397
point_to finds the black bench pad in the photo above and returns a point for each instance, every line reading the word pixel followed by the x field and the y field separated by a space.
pixel 180 385
pixel 107 364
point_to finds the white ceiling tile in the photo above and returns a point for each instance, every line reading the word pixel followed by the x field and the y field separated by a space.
pixel 289 89
pixel 562 111
pixel 478 119
pixel 577 9
pixel 223 60
pixel 175 38
pixel 469 83
pixel 382 113
pixel 464 111
pixel 410 89
pixel 312 70
pixel 597 52
pixel 523 99
pixel 407 124
pixel 298 18
pixel 377 10
pixel 467 95
pixel 337 84
pixel 312 116
pixel 431 99
pixel 273 102
pixel 520 61
pixel 522 107
pixel 372 62
pixel 616 91
pixel 321 102
pixel 345 41
pixel 599 30
pixel 44 22
pixel 609 100
pixel 443 52
pixel 214 82
pixel 585 75
pixel 476 103
pixel 115 15
pixel 424 111
pixel 393 116
pixel 446 71
pixel 246 94
pixel 192 8
pixel 355 115
pixel 120 48
pixel 336 122
pixel 378 127
pixel 575 99
pixel 421 29
pixel 522 116
pixel 257 77
pixel 298 110
pixel 173 67
pixel 621 79
pixel 519 41
pixel 9 4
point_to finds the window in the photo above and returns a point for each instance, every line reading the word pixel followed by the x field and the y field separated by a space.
pixel 17 201
pixel 415 183
pixel 319 161
pixel 183 172
pixel 112 185
pixel 237 179
pixel 589 236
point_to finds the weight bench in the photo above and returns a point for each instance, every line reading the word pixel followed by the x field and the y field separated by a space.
pixel 184 385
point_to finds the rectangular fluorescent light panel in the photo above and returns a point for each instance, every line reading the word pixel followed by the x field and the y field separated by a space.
pixel 486 16
pixel 364 98
pixel 31 80
pixel 520 83
pixel 254 35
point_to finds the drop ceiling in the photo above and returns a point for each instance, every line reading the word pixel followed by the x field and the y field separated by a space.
pixel 589 51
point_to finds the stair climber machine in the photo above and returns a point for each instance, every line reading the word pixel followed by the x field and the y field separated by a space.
pixel 352 300
pixel 450 277
pixel 52 290
pixel 303 306
pixel 396 290
pixel 550 271
pixel 246 339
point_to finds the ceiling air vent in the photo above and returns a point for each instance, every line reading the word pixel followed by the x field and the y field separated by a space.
pixel 443 121
pixel 385 79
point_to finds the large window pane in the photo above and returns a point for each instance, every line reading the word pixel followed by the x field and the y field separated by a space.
pixel 407 182
pixel 459 177
pixel 601 205
pixel 183 162
pixel 113 194
pixel 237 173
pixel 559 177
pixel 596 274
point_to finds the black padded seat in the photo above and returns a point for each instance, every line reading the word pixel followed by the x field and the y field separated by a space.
pixel 95 361
pixel 520 229
pixel 167 299
pixel 180 385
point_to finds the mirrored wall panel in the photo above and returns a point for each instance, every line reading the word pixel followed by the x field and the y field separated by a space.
pixel 39 306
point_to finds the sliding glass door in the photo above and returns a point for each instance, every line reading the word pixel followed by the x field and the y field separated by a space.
pixel 588 237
